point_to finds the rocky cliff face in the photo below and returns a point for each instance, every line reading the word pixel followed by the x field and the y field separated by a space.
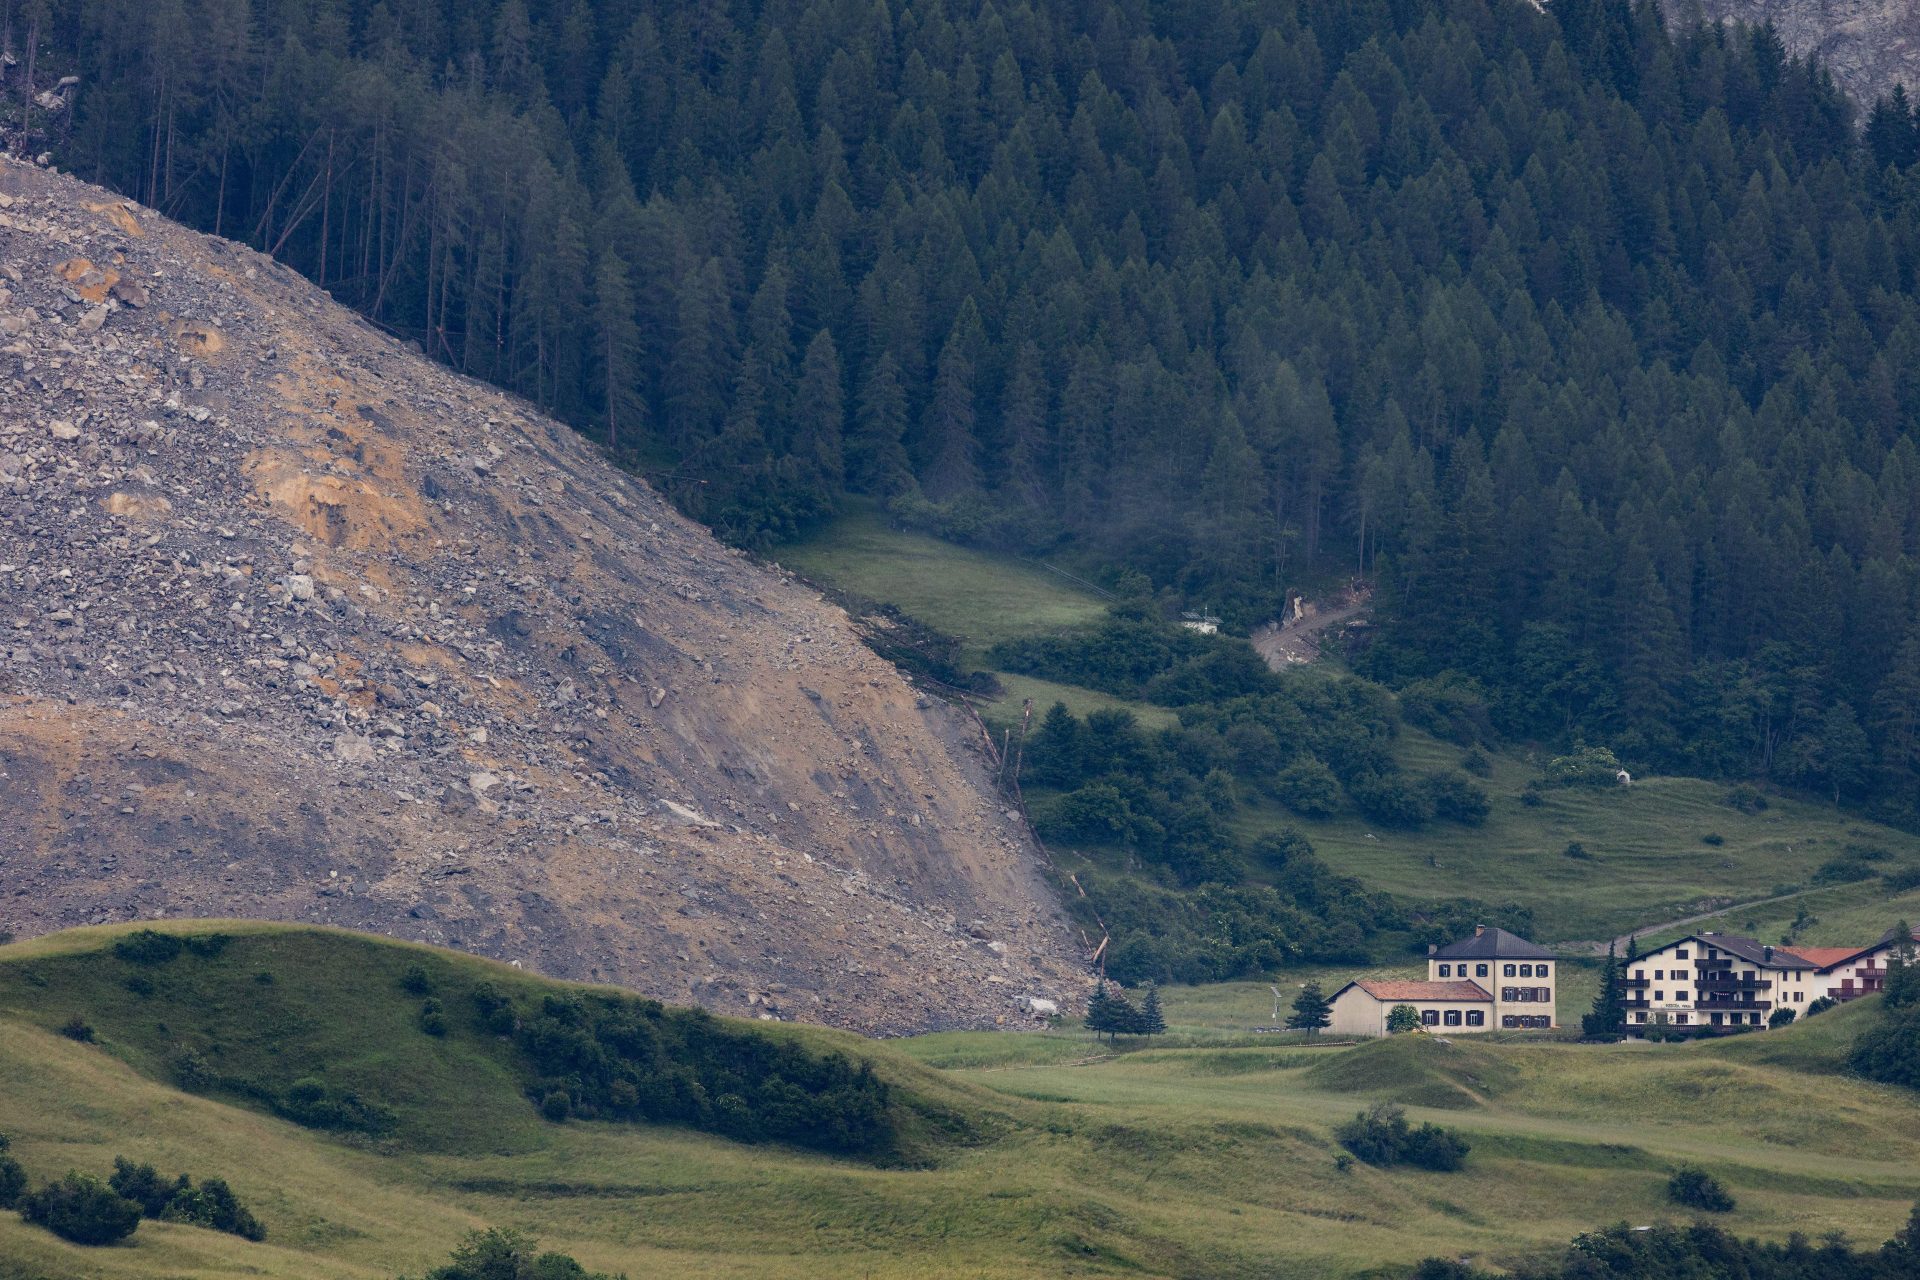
pixel 1871 45
pixel 295 624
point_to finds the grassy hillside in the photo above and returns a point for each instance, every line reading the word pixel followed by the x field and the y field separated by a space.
pixel 1649 856
pixel 1059 1157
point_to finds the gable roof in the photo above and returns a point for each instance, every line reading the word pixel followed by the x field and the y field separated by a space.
pixel 1893 933
pixel 1824 957
pixel 1470 992
pixel 1492 944
pixel 1752 950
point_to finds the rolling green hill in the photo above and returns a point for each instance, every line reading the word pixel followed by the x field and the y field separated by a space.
pixel 1048 1156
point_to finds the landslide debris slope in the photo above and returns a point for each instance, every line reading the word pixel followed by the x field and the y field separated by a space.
pixel 298 625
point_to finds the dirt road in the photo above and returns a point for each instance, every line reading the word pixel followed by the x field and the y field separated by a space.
pixel 1292 641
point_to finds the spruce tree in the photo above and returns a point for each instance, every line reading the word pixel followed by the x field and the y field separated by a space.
pixel 1152 1021
pixel 1312 1012
pixel 1608 1018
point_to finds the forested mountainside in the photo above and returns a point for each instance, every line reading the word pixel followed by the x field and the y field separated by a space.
pixel 1598 343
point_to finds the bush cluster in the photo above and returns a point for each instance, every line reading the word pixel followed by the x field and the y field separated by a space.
pixel 1698 1189
pixel 509 1255
pixel 212 1204
pixel 82 1209
pixel 605 1056
pixel 1383 1137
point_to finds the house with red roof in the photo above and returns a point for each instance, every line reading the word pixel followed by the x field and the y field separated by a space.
pixel 1491 981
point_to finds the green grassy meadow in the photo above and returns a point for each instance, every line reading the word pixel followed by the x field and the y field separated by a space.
pixel 1203 1155
pixel 1647 863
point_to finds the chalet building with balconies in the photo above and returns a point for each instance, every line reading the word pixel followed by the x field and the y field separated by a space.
pixel 1493 981
pixel 1716 980
pixel 1847 973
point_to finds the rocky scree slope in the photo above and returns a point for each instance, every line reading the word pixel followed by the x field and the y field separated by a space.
pixel 295 624
pixel 1870 45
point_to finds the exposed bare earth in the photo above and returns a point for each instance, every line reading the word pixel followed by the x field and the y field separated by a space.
pixel 295 624
pixel 1294 640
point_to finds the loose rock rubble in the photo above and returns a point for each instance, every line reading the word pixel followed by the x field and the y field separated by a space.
pixel 295 624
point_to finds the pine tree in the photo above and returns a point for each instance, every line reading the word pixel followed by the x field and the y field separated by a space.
pixel 953 468
pixel 876 458
pixel 1312 1012
pixel 1608 1019
pixel 1152 1021
pixel 616 346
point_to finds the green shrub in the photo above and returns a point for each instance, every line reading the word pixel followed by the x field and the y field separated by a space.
pixel 433 1018
pixel 77 1028
pixel 1477 763
pixel 509 1255
pixel 148 946
pixel 142 1184
pixel 1842 871
pixel 1383 1137
pixel 1745 799
pixel 1713 838
pixel 415 981
pixel 1392 799
pixel 317 1105
pixel 1576 851
pixel 1308 788
pixel 13 1178
pixel 556 1106
pixel 264 978
pixel 1584 767
pixel 212 1204
pixel 1402 1017
pixel 81 1209
pixel 1820 1005
pixel 1890 1051
pixel 140 984
pixel 1782 1017
pixel 1902 880
pixel 208 945
pixel 1456 798
pixel 1698 1189
pixel 1450 705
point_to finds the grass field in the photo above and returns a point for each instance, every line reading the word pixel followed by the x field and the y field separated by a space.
pixel 979 597
pixel 1189 1159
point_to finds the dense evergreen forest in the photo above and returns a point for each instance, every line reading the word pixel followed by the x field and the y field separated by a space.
pixel 1596 343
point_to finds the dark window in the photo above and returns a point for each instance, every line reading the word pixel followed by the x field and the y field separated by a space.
pixel 1659 975
pixel 1430 1016
pixel 1453 1017
pixel 1508 1020
pixel 1543 994
pixel 1680 955
pixel 1475 1018
pixel 1680 1018
pixel 1526 971
pixel 1446 971
pixel 1640 1017
pixel 1659 996
pixel 1508 971
pixel 1479 971
pixel 1539 971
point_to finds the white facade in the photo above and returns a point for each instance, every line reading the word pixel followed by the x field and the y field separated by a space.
pixel 1714 981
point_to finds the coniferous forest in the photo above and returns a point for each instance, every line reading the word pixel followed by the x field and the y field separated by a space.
pixel 1595 343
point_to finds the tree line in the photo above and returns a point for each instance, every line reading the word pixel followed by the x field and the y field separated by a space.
pixel 1596 341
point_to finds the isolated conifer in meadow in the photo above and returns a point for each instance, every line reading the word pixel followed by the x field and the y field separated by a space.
pixel 1312 1012
pixel 1152 1021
